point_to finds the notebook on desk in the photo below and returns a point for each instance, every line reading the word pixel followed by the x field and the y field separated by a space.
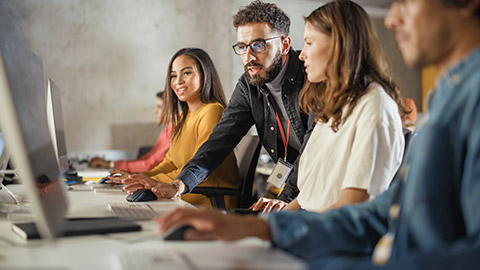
pixel 80 226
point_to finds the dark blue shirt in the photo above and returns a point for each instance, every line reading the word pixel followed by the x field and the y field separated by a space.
pixel 438 226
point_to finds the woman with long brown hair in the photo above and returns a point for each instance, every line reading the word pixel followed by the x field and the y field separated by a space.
pixel 357 143
pixel 194 103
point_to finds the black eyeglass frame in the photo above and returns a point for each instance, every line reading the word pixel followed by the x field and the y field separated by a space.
pixel 261 46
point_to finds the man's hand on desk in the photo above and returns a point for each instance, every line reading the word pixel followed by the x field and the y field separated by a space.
pixel 161 190
pixel 268 205
pixel 211 224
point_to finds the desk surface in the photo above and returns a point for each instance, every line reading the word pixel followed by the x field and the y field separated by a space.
pixel 102 251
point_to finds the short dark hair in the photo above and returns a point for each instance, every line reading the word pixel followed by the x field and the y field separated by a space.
pixel 160 94
pixel 260 12
pixel 462 3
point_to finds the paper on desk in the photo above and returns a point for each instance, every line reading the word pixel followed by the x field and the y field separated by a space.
pixel 212 255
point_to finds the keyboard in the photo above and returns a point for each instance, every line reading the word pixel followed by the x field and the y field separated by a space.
pixel 108 188
pixel 147 259
pixel 132 211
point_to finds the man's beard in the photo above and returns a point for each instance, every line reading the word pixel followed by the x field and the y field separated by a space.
pixel 271 73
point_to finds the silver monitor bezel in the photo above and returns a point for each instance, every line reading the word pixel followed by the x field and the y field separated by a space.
pixel 49 212
pixel 55 118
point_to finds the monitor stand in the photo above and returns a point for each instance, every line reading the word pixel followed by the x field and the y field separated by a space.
pixel 8 191
pixel 13 206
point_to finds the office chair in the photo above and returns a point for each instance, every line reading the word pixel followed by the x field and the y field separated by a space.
pixel 142 150
pixel 246 153
pixel 407 133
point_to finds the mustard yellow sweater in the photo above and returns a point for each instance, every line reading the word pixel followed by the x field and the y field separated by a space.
pixel 196 130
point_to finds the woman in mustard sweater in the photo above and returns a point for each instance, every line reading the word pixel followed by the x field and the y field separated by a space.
pixel 194 103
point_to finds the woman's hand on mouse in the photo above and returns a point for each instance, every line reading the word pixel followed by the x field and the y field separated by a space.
pixel 117 176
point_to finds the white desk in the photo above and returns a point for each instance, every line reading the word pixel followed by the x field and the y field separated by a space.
pixel 101 251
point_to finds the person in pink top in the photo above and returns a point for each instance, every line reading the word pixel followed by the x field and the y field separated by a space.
pixel 150 159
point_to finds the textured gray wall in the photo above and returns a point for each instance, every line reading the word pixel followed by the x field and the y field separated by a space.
pixel 109 57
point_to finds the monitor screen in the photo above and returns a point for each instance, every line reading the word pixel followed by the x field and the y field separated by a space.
pixel 56 124
pixel 2 145
pixel 3 157
pixel 23 121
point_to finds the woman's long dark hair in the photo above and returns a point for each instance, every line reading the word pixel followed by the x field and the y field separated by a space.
pixel 174 110
pixel 356 60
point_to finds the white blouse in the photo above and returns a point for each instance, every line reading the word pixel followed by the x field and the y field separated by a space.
pixel 364 153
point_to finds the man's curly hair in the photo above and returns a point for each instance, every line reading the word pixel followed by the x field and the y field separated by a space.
pixel 260 12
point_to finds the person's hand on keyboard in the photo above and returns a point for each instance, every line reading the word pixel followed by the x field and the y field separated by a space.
pixel 208 224
pixel 268 205
pixel 117 176
pixel 161 190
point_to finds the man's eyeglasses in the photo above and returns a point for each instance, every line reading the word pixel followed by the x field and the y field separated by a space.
pixel 256 46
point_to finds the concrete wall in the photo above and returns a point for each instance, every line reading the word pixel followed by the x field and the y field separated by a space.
pixel 109 57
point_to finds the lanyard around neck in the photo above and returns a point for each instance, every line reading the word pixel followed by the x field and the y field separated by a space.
pixel 284 139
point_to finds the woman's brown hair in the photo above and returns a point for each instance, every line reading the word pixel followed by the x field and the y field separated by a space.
pixel 356 60
pixel 174 110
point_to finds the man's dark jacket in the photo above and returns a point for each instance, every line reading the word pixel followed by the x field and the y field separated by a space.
pixel 250 105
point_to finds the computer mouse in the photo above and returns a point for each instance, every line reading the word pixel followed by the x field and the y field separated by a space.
pixel 142 195
pixel 176 233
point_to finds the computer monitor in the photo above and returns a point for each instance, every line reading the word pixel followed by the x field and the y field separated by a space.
pixel 2 144
pixel 23 121
pixel 2 154
pixel 3 158
pixel 56 124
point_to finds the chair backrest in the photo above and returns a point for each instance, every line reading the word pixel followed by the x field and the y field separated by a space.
pixel 246 153
pixel 407 133
pixel 142 150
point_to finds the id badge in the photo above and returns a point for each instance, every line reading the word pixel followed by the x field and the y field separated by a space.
pixel 280 173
